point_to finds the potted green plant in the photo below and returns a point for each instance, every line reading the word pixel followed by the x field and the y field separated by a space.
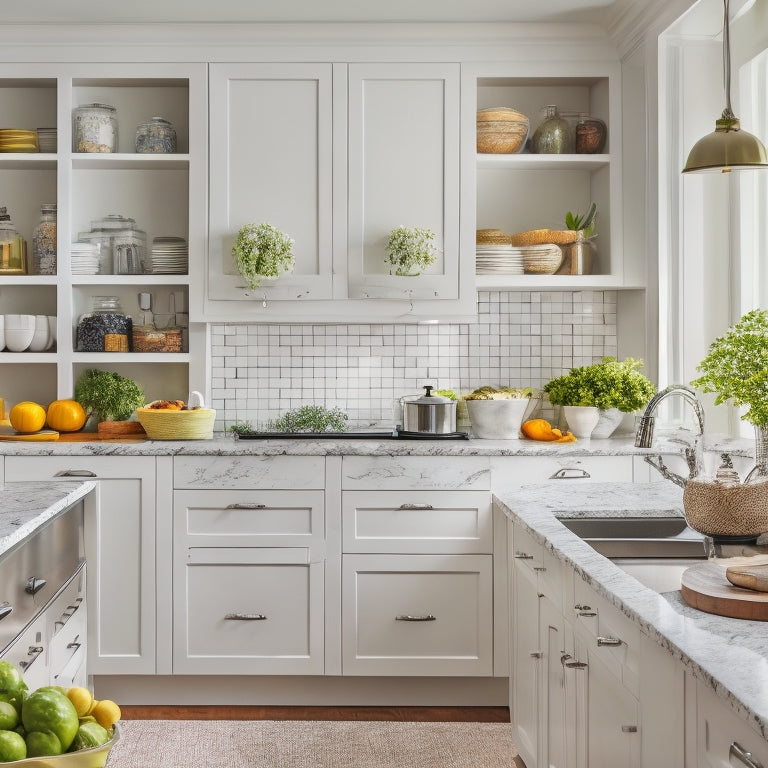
pixel 578 256
pixel 110 399
pixel 410 250
pixel 497 414
pixel 262 252
pixel 736 368
pixel 610 385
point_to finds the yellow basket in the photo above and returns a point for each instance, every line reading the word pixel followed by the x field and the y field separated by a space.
pixel 196 424
pixel 545 236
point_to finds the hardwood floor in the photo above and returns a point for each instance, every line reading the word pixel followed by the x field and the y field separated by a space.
pixel 404 714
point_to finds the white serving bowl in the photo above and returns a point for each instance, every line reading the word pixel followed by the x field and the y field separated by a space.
pixel 52 328
pixel 497 419
pixel 2 339
pixel 41 335
pixel 18 339
pixel 23 322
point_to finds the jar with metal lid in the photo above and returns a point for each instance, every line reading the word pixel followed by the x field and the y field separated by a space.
pixel 95 128
pixel 156 135
pixel 44 241
pixel 105 328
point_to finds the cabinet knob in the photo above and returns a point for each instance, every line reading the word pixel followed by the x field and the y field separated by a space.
pixel 34 651
pixel 580 607
pixel 629 729
pixel 743 756
pixel 536 654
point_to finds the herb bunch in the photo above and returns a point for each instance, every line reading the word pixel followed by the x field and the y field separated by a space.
pixel 411 249
pixel 262 251
pixel 736 367
pixel 502 393
pixel 107 394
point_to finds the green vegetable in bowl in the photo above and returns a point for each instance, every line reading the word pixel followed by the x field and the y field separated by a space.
pixel 89 734
pixel 502 393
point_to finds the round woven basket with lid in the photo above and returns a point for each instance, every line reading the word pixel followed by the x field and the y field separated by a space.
pixel 544 236
pixel 501 130
pixel 491 237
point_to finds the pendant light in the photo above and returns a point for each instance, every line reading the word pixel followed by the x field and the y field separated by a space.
pixel 728 148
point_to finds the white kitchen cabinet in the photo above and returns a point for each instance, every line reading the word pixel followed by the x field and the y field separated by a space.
pixel 120 552
pixel 525 191
pixel 164 193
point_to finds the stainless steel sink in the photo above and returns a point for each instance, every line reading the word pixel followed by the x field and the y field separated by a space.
pixel 625 527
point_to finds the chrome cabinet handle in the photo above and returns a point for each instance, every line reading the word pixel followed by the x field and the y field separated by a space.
pixel 75 473
pixel 587 613
pixel 580 607
pixel 6 609
pixel 522 556
pixel 415 506
pixel 569 473
pixel 744 757
pixel 575 664
pixel 629 729
pixel 34 651
pixel 609 641
pixel 409 617
pixel 245 505
pixel 245 617
pixel 34 585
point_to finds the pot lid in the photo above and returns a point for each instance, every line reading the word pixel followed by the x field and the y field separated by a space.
pixel 429 399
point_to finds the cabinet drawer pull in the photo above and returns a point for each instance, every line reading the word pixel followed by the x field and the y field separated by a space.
pixel 34 651
pixel 415 506
pixel 629 729
pixel 569 473
pixel 744 757
pixel 580 607
pixel 539 568
pixel 408 617
pixel 6 609
pixel 245 617
pixel 587 613
pixel 34 585
pixel 75 473
pixel 575 664
pixel 536 654
pixel 609 641
pixel 523 556
pixel 245 505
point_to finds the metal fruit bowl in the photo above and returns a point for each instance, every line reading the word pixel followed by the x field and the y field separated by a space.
pixel 95 757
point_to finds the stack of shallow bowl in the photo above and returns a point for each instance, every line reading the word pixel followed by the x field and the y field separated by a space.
pixel 501 130
pixel 544 259
pixel 494 255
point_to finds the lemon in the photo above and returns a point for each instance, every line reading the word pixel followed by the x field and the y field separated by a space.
pixel 82 698
pixel 106 712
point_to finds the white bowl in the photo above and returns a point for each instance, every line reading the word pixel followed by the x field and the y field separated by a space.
pixel 20 322
pixel 18 339
pixel 2 339
pixel 497 419
pixel 52 328
pixel 42 334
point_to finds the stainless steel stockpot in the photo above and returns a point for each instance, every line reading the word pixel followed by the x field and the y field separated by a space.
pixel 428 413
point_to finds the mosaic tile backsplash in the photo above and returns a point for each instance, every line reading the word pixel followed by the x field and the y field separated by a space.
pixel 520 339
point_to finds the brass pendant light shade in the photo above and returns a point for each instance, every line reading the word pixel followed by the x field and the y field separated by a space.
pixel 728 148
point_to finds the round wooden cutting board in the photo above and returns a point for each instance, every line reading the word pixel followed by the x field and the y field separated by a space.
pixel 704 586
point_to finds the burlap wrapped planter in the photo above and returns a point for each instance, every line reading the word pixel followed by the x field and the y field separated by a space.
pixel 721 510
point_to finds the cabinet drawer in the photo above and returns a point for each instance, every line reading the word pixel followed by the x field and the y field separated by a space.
pixel 417 521
pixel 514 471
pixel 419 473
pixel 417 615
pixel 77 467
pixel 299 472
pixel 249 518
pixel 248 610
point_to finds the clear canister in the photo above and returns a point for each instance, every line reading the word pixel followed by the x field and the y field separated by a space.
pixel 156 135
pixel 95 128
pixel 44 241
pixel 106 328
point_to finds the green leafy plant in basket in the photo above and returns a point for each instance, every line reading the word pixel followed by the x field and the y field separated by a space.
pixel 410 250
pixel 108 395
pixel 262 252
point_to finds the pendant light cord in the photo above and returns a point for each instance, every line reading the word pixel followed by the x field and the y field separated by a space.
pixel 727 112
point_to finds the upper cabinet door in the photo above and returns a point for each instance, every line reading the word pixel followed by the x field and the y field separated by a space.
pixel 270 161
pixel 403 153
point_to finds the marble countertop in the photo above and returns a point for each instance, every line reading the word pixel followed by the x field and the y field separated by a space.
pixel 731 655
pixel 25 506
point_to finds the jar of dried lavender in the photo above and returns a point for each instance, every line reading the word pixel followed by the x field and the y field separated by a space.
pixel 44 241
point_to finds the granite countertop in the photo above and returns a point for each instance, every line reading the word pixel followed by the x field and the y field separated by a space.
pixel 731 655
pixel 225 445
pixel 25 506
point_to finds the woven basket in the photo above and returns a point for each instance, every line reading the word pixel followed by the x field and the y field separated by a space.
pixel 542 236
pixel 196 424
pixel 721 510
pixel 491 237
pixel 501 130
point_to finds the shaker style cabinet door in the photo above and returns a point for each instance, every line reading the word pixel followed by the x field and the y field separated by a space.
pixel 270 161
pixel 403 147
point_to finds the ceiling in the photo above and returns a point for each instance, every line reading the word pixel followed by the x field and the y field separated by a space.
pixel 112 11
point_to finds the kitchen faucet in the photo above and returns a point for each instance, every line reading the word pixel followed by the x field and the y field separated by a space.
pixel 645 430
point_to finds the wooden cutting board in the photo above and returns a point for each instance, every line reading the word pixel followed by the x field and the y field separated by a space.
pixel 7 432
pixel 704 586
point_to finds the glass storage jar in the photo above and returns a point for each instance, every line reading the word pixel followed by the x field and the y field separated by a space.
pixel 95 128
pixel 105 328
pixel 554 135
pixel 44 241
pixel 156 135
pixel 591 134
pixel 13 247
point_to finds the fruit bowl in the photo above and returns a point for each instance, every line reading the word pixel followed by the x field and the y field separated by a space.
pixel 95 757
pixel 193 424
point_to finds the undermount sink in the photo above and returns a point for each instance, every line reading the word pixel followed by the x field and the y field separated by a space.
pixel 624 527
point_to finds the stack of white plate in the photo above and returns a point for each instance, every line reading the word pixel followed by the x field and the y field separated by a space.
pixel 46 139
pixel 498 260
pixel 541 259
pixel 84 258
pixel 170 256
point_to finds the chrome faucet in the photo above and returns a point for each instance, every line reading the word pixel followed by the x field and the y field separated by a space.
pixel 645 431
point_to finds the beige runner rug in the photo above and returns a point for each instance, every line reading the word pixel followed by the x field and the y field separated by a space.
pixel 311 744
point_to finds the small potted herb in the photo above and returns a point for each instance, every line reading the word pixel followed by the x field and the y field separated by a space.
pixel 110 399
pixel 307 418
pixel 579 255
pixel 410 250
pixel 262 252
pixel 608 386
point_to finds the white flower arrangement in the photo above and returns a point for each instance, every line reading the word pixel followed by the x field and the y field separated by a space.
pixel 262 251
pixel 410 249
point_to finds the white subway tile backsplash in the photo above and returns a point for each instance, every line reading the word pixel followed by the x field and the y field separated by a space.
pixel 520 339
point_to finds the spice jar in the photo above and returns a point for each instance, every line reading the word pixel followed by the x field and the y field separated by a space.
pixel 44 241
pixel 591 133
pixel 95 128
pixel 554 136
pixel 156 135
pixel 105 328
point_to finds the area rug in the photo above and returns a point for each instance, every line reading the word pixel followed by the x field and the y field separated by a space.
pixel 311 744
